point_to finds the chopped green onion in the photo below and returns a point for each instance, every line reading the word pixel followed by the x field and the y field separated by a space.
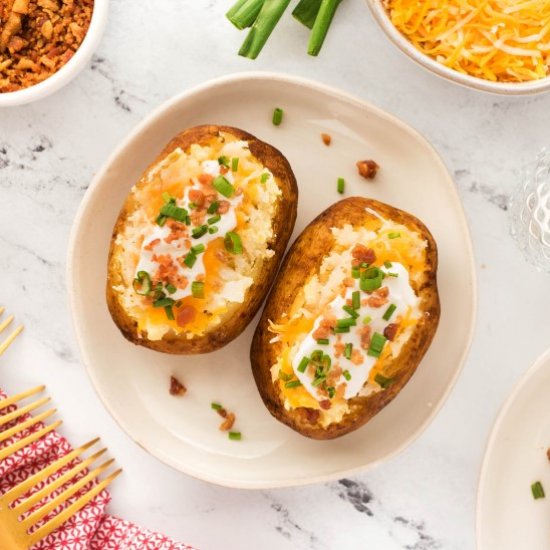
pixel 161 220
pixel 293 384
pixel 318 381
pixel 356 300
pixel 223 186
pixel 371 279
pixel 199 231
pixel 394 235
pixel 347 375
pixel 163 302
pixel 265 177
pixel 389 312
pixel 192 205
pixel 331 391
pixel 235 436
pixel 355 272
pixel 347 351
pixel 303 364
pixel 538 490
pixel 346 322
pixel 377 343
pixel 367 320
pixel 277 117
pixel 213 208
pixel 197 289
pixel 198 248
pixel 170 210
pixel 284 376
pixel 321 25
pixel 216 406
pixel 364 265
pixel 169 312
pixel 340 330
pixel 390 274
pixel 142 283
pixel 340 185
pixel 212 229
pixel 326 362
pixel 214 219
pixel 234 164
pixel 233 243
pixel 388 264
pixel 351 311
pixel 190 259
pixel 166 197
pixel 382 381
pixel 317 355
pixel 171 288
pixel 323 341
pixel 223 161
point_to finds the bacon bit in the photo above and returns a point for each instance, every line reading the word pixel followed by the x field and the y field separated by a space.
pixel 200 277
pixel 222 256
pixel 187 243
pixel 391 330
pixel 197 216
pixel 321 332
pixel 383 292
pixel 222 412
pixel 167 271
pixel 333 375
pixel 185 315
pixel 224 169
pixel 329 320
pixel 176 387
pixel 356 357
pixel 340 391
pixel 361 253
pixel 209 197
pixel 339 348
pixel 349 282
pixel 310 415
pixel 325 404
pixel 206 179
pixel 367 168
pixel 364 333
pixel 196 196
pixel 376 300
pixel 326 139
pixel 177 231
pixel 227 424
pixel 223 207
pixel 151 245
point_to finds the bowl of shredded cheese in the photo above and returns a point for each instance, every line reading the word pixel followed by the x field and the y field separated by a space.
pixel 500 46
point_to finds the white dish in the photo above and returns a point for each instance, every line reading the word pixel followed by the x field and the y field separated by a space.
pixel 70 70
pixel 508 517
pixel 505 88
pixel 133 381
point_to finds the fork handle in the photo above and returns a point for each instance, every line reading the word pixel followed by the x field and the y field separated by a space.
pixel 8 539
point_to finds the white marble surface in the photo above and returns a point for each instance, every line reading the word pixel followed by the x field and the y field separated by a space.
pixel 422 500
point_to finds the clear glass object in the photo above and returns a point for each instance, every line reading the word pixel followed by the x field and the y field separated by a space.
pixel 530 213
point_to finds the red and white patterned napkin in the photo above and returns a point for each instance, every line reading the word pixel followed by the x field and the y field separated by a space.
pixel 89 529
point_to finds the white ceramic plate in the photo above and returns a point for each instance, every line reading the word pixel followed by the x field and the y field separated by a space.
pixel 133 381
pixel 508 517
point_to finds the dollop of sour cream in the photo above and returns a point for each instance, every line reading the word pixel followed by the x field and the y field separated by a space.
pixel 401 295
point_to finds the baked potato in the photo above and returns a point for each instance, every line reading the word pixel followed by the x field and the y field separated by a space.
pixel 199 239
pixel 354 308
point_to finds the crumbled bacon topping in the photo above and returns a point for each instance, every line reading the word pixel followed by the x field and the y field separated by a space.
pixel 361 253
pixel 367 168
pixel 176 387
pixel 327 139
pixel 227 424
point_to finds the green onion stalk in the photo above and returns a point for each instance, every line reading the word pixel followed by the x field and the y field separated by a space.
pixel 244 13
pixel 320 27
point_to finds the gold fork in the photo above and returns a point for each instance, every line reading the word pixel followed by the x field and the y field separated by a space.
pixel 14 529
pixel 3 325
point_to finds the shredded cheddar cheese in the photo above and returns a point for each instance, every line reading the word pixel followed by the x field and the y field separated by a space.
pixel 497 40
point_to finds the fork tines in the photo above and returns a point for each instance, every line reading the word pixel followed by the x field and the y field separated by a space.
pixel 3 325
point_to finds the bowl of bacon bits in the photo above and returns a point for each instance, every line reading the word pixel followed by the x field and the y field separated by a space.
pixel 44 44
pixel 500 46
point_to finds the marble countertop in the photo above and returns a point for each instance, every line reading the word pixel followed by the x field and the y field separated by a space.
pixel 425 498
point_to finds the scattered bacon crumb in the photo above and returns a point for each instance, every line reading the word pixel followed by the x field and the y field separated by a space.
pixel 310 415
pixel 326 139
pixel 185 315
pixel 197 216
pixel 151 245
pixel 356 357
pixel 206 179
pixel 196 196
pixel 339 348
pixel 391 330
pixel 364 333
pixel 349 282
pixel 227 424
pixel 222 412
pixel 361 253
pixel 325 404
pixel 367 168
pixel 340 391
pixel 176 387
pixel 223 207
pixel 321 332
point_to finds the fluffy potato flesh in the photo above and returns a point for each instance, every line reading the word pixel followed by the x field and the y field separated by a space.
pixel 199 239
pixel 352 313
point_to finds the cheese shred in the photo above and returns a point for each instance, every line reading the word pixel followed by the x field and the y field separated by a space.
pixel 497 40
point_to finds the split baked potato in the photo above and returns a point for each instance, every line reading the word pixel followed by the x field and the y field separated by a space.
pixel 199 239
pixel 354 309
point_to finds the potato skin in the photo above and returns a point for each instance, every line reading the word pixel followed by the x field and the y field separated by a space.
pixel 302 262
pixel 238 316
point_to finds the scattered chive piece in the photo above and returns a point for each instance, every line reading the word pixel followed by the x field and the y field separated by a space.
pixel 223 161
pixel 199 231
pixel 355 272
pixel 331 391
pixel 390 274
pixel 389 312
pixel 213 208
pixel 163 302
pixel 142 283
pixel 367 320
pixel 340 330
pixel 166 197
pixel 161 220
pixel 293 384
pixel 318 381
pixel 170 210
pixel 364 265
pixel 347 351
pixel 212 229
pixel 371 279
pixel 190 259
pixel 303 364
pixel 197 289
pixel 351 311
pixel 169 312
pixel 377 343
pixel 317 355
pixel 346 323
pixel 538 490
pixel 235 436
pixel 388 264
pixel 223 186
pixel 347 375
pixel 277 116
pixel 234 164
pixel 233 243
pixel 284 376
pixel 356 300
pixel 192 205
pixel 265 177
pixel 340 185
pixel 382 381
pixel 394 235
pixel 198 248
pixel 216 406
pixel 171 288
pixel 323 341
pixel 214 219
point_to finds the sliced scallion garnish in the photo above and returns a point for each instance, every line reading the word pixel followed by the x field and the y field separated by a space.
pixel 198 248
pixel 213 208
pixel 341 185
pixel 142 283
pixel 347 350
pixel 212 229
pixel 394 235
pixel 190 259
pixel 538 490
pixel 356 300
pixel 169 312
pixel 214 219
pixel 199 231
pixel 277 116
pixel 235 436
pixel 355 272
pixel 389 312
pixel 216 406
pixel 303 364
pixel 323 341
pixel 264 177
pixel 351 311
pixel 346 374
pixel 233 243
pixel 197 289
pixel 377 343
pixel 223 161
pixel 171 288
pixel 382 381
pixel 346 322
pixel 371 279
pixel 223 186
pixel 293 384
pixel 234 164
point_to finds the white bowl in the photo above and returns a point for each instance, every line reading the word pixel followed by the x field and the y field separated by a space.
pixel 504 88
pixel 70 69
